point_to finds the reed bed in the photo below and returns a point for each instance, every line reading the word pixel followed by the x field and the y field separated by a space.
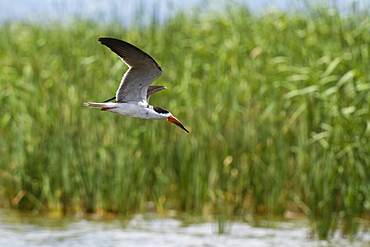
pixel 277 106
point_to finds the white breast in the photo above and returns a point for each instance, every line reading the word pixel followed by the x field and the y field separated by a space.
pixel 136 111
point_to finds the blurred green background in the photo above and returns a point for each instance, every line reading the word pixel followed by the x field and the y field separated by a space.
pixel 277 106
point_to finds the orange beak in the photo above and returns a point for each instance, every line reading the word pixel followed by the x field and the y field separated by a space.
pixel 174 120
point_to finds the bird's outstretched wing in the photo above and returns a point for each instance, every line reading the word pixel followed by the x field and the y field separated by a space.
pixel 143 70
pixel 151 90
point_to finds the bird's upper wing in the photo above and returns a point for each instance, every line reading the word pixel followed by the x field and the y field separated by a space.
pixel 143 70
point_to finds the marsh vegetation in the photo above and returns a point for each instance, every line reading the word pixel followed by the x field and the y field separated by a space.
pixel 277 106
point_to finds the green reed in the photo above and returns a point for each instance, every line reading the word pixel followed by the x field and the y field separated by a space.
pixel 277 107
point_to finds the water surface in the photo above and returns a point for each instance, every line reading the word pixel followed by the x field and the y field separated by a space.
pixel 151 230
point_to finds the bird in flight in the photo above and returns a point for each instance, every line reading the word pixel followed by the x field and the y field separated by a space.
pixel 134 91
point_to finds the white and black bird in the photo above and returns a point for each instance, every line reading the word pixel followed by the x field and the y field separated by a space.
pixel 133 93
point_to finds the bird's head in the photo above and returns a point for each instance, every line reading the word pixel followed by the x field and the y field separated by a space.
pixel 166 114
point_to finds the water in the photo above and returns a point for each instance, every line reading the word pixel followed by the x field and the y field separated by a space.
pixel 18 230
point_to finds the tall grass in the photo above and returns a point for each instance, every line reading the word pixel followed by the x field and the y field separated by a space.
pixel 277 106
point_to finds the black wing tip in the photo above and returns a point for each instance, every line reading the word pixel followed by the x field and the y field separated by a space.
pixel 101 40
pixel 105 40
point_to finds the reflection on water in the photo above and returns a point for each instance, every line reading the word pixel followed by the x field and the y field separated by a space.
pixel 150 230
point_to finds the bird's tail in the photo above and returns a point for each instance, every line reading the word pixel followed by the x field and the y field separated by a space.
pixel 94 105
pixel 102 106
